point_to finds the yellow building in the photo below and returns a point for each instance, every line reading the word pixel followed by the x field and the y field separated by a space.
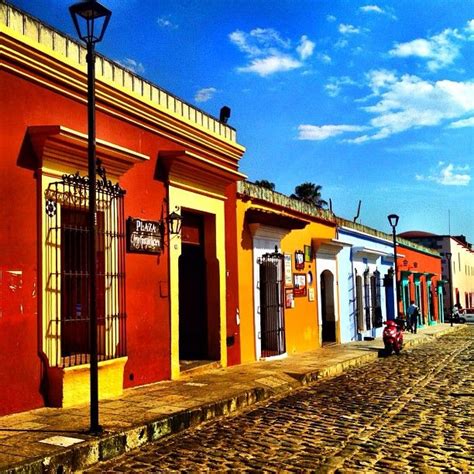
pixel 278 273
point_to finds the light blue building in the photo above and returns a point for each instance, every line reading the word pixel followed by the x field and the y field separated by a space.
pixel 366 281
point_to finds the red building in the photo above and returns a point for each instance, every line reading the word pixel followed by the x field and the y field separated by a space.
pixel 164 302
pixel 420 280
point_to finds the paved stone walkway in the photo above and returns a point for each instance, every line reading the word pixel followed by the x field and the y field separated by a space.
pixel 37 441
pixel 412 413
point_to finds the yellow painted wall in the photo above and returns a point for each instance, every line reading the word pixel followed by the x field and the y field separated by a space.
pixel 70 386
pixel 301 322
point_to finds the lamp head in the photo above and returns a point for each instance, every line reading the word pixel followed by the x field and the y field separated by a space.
pixel 90 19
pixel 174 223
pixel 393 219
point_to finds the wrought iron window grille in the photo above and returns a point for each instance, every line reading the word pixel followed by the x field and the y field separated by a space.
pixel 66 298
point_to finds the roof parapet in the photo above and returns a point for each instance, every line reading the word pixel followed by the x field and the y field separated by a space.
pixel 67 49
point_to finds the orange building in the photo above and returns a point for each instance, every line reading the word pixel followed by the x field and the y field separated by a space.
pixel 278 273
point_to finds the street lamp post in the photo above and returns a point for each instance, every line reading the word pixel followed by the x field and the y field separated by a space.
pixel 450 286
pixel 91 19
pixel 393 220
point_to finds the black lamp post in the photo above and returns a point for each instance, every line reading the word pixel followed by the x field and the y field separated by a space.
pixel 450 285
pixel 91 19
pixel 393 220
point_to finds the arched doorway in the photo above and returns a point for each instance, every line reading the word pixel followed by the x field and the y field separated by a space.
pixel 328 311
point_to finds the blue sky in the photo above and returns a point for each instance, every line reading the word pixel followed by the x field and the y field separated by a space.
pixel 372 100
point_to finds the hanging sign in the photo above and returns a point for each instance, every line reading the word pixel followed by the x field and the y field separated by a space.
pixel 143 236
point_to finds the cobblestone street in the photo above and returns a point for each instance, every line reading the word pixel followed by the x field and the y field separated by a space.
pixel 414 412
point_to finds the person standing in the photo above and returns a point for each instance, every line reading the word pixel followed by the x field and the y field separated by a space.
pixel 412 316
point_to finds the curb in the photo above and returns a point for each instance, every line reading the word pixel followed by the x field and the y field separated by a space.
pixel 110 445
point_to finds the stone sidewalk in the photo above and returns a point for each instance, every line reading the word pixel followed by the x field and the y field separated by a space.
pixel 56 440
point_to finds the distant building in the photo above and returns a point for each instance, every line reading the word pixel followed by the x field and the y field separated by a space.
pixel 462 264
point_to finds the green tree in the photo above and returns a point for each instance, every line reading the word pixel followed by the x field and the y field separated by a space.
pixel 263 183
pixel 310 193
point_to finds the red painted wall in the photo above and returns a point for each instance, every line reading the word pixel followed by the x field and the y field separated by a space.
pixel 416 261
pixel 148 336
pixel 19 362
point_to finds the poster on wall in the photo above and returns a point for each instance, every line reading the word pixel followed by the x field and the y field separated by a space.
pixel 289 298
pixel 288 272
pixel 299 260
pixel 299 282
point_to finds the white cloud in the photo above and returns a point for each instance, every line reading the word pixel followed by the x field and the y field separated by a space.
pixel 305 48
pixel 260 41
pixel 448 175
pixel 133 65
pixel 371 9
pixel 469 122
pixel 165 22
pixel 409 102
pixel 331 18
pixel 381 78
pixel 341 43
pixel 205 94
pixel 324 58
pixel 271 64
pixel 316 133
pixel 268 52
pixel 440 50
pixel 378 10
pixel 348 29
pixel 469 29
pixel 334 86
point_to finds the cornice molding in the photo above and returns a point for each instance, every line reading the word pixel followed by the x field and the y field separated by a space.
pixel 188 170
pixel 57 146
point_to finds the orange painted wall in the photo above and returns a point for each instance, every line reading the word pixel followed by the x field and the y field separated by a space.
pixel 301 322
pixel 246 285
pixel 233 328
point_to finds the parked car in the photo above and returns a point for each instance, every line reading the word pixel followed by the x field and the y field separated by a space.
pixel 469 315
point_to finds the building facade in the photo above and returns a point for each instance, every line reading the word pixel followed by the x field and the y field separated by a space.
pixel 457 265
pixel 366 281
pixel 281 302
pixel 164 302
pixel 420 280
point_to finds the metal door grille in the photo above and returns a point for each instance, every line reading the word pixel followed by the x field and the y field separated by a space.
pixel 272 323
pixel 66 331
pixel 367 300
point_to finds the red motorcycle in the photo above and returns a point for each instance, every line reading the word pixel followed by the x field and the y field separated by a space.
pixel 392 337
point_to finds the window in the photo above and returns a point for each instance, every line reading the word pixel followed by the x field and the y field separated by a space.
pixel 66 256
